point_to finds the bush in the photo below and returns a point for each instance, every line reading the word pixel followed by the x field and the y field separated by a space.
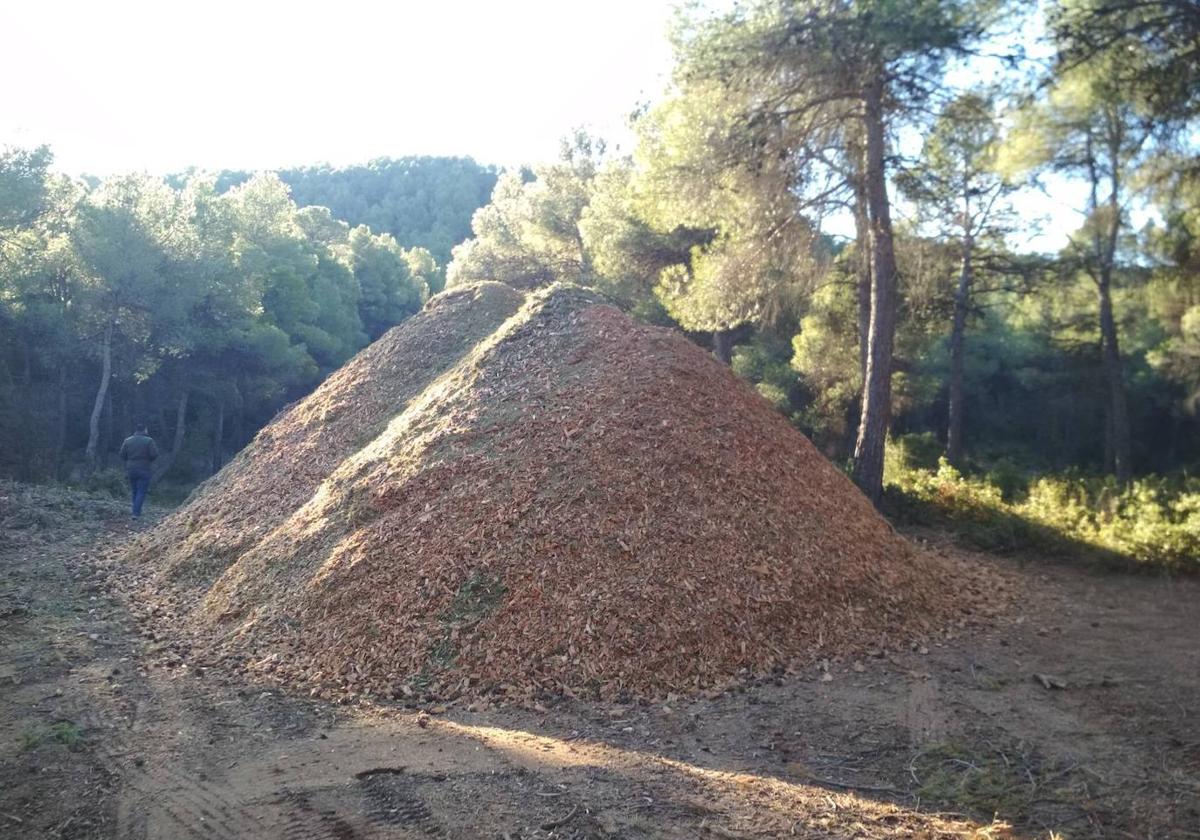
pixel 773 394
pixel 106 482
pixel 1153 523
pixel 114 484
pixel 1009 479
pixel 916 451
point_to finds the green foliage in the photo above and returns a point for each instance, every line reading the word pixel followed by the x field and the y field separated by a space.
pixel 1148 47
pixel 389 291
pixel 477 597
pixel 1008 477
pixel 422 202
pixel 576 220
pixel 1154 523
pixel 23 176
pixel 1173 294
pixel 764 362
pixel 914 451
pixel 108 482
pixel 700 173
pixel 826 357
pixel 528 235
pixel 227 303
pixel 626 254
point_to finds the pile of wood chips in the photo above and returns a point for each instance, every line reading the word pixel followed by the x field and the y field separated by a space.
pixel 513 495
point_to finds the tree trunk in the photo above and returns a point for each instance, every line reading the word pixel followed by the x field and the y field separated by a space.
pixel 218 437
pixel 723 345
pixel 958 328
pixel 1118 406
pixel 101 394
pixel 867 469
pixel 862 233
pixel 166 462
pixel 1105 247
pixel 106 433
pixel 1109 461
pixel 125 416
pixel 137 406
pixel 239 416
pixel 60 433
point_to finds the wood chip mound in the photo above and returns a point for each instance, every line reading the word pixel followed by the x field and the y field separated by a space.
pixel 514 494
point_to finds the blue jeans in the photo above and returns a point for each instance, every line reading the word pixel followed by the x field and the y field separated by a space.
pixel 139 485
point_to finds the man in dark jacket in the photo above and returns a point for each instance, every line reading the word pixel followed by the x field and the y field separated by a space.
pixel 138 453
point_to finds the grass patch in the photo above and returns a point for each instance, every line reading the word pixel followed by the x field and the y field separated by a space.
pixel 988 783
pixel 42 507
pixel 63 732
pixel 478 597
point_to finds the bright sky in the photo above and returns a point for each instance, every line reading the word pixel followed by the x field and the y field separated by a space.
pixel 159 86
pixel 119 85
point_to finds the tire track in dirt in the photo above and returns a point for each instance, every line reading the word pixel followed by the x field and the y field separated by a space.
pixel 306 821
pixel 162 800
pixel 164 738
pixel 169 789
pixel 394 801
pixel 153 789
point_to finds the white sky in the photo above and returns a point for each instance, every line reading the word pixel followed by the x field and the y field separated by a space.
pixel 116 85
pixel 119 85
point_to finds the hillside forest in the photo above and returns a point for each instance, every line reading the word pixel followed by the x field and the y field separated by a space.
pixel 832 197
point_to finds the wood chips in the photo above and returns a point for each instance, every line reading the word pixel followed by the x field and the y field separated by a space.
pixel 515 495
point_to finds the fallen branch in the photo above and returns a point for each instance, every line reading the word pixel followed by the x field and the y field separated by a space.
pixel 848 786
pixel 379 771
pixel 721 832
pixel 553 824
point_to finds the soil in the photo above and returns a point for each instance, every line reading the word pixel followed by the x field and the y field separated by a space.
pixel 1076 715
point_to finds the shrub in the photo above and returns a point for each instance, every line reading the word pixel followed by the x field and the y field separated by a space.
pixel 773 394
pixel 916 451
pixel 110 482
pixel 1153 523
pixel 1009 479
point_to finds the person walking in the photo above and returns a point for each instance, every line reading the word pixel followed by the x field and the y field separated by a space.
pixel 137 453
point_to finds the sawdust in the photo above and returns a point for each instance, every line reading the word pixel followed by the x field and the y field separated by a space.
pixel 512 494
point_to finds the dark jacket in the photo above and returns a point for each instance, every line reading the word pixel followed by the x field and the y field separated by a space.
pixel 138 452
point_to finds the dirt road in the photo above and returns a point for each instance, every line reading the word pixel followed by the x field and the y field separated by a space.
pixel 107 731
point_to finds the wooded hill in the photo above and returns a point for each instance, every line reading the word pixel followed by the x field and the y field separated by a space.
pixel 199 304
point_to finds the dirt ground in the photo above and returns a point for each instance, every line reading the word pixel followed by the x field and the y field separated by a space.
pixel 108 731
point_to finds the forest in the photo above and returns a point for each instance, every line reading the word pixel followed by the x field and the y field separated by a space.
pixel 830 196
pixel 200 304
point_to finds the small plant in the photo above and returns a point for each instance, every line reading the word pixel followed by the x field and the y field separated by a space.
pixel 30 738
pixel 66 733
pixel 988 781
pixel 63 732
pixel 478 596
pixel 442 653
